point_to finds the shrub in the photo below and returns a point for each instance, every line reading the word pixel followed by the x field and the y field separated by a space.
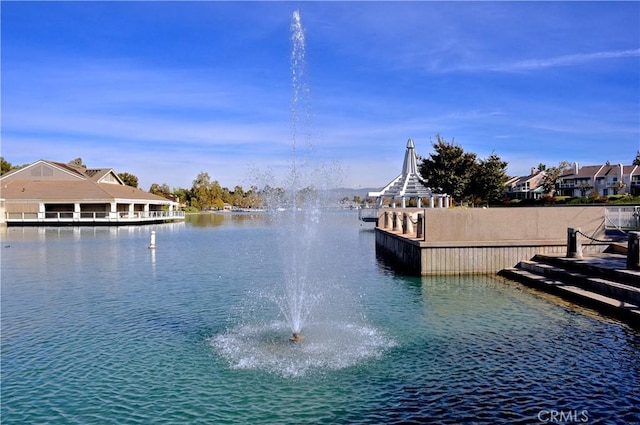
pixel 578 200
pixel 624 199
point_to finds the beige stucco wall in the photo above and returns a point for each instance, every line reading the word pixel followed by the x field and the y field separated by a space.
pixel 485 240
pixel 504 226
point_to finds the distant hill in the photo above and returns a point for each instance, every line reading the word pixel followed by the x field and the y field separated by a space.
pixel 343 192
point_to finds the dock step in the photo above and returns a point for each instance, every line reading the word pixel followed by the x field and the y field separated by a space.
pixel 597 284
pixel 608 266
pixel 615 306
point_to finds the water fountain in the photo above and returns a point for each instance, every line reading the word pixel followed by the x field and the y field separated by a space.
pixel 327 328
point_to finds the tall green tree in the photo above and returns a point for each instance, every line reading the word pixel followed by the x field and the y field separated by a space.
pixel 201 191
pixel 449 168
pixel 5 166
pixel 129 179
pixel 636 161
pixel 183 195
pixel 160 190
pixel 217 194
pixel 251 198
pixel 488 179
pixel 77 162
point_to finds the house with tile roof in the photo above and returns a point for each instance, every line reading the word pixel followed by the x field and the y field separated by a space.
pixel 50 193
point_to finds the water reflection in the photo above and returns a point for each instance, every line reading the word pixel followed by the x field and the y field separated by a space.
pixel 92 315
pixel 222 218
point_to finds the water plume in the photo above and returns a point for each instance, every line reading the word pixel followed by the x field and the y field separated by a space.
pixel 324 327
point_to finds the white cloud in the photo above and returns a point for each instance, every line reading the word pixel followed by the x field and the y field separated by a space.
pixel 566 60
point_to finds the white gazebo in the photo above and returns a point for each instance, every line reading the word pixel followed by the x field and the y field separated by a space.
pixel 409 184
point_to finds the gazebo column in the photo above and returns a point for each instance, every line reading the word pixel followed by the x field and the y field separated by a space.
pixel 419 202
pixel 446 201
pixel 131 210
pixel 114 210
pixel 440 203
pixel 403 202
pixel 431 202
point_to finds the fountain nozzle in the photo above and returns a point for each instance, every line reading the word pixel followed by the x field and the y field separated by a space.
pixel 296 338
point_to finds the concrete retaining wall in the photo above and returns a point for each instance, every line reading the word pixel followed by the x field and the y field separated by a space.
pixel 467 241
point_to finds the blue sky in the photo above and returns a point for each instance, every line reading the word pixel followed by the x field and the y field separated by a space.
pixel 165 90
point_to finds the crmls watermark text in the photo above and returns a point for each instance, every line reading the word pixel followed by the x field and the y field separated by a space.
pixel 553 416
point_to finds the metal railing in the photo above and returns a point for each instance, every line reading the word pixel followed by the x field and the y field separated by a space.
pixel 622 218
pixel 368 214
pixel 53 217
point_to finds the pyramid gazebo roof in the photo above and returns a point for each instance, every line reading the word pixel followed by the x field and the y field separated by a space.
pixel 409 184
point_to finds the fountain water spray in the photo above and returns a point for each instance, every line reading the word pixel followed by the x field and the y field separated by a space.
pixel 308 295
pixel 302 211
pixel 295 204
pixel 300 99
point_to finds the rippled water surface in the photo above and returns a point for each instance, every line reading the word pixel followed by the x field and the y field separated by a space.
pixel 97 328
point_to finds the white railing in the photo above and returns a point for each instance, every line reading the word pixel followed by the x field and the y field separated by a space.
pixel 368 214
pixel 120 217
pixel 623 218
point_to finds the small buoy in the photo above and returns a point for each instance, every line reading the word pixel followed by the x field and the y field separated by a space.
pixel 152 244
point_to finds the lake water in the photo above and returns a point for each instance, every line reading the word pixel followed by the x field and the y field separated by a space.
pixel 99 329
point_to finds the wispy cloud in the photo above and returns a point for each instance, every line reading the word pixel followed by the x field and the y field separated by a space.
pixel 566 60
pixel 167 89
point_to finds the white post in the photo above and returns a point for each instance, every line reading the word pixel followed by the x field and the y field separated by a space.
pixel 152 245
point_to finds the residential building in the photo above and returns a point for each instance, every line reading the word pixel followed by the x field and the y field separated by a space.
pixel 54 193
pixel 605 180
pixel 525 187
